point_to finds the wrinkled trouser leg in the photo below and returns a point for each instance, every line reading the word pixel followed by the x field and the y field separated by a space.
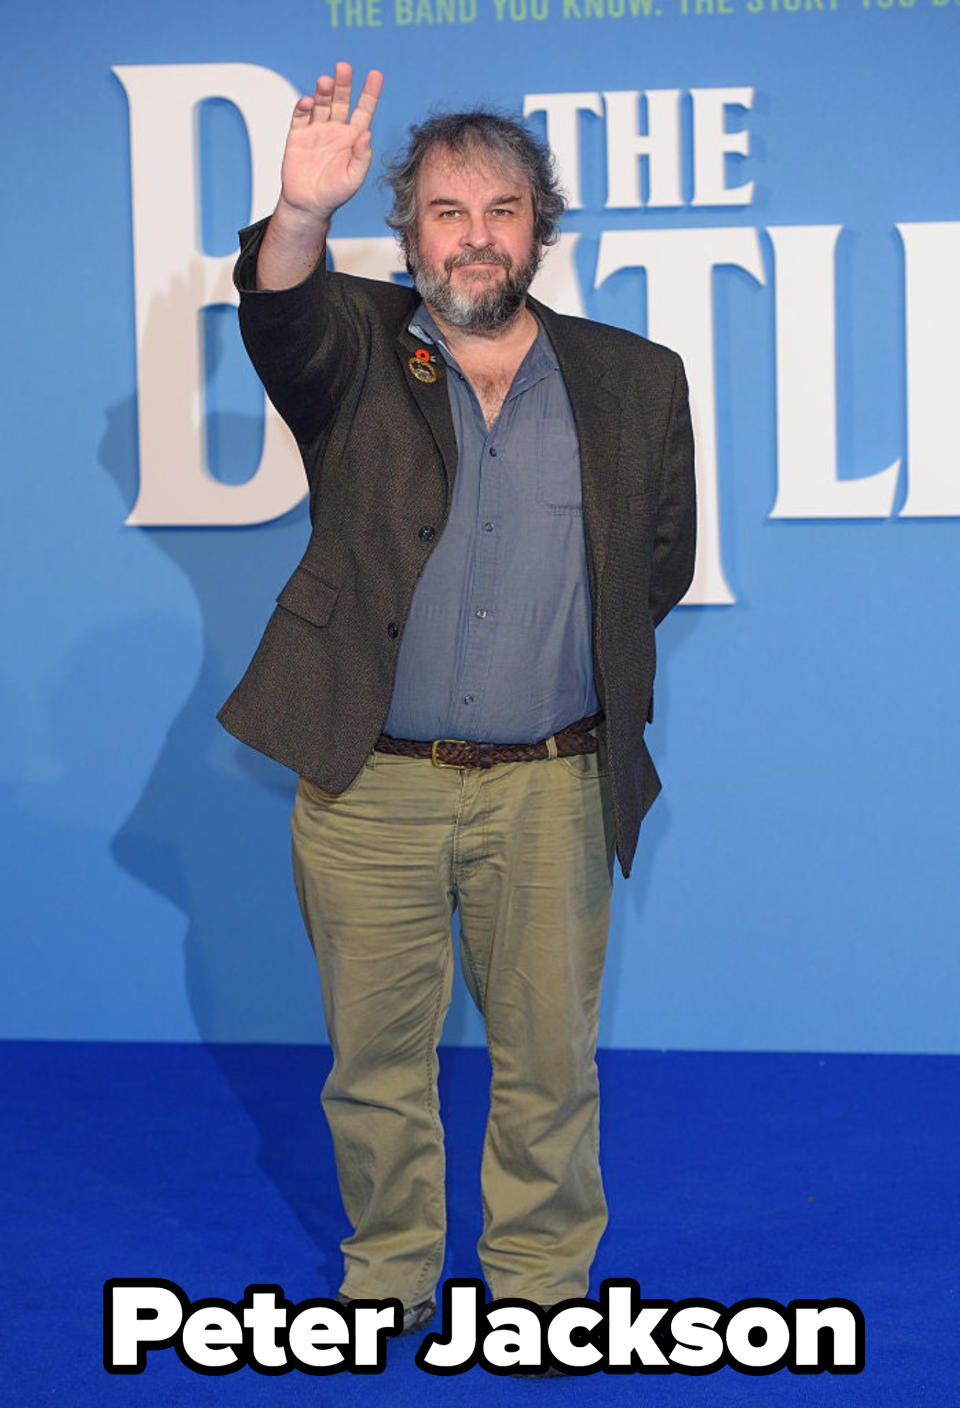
pixel 534 885
pixel 372 873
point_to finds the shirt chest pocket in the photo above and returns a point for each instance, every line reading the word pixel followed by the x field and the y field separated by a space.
pixel 559 489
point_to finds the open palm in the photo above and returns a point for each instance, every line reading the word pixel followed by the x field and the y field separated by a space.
pixel 328 149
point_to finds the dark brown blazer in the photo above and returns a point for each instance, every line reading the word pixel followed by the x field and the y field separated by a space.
pixel 380 454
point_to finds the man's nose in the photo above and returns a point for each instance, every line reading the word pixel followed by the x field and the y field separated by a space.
pixel 477 234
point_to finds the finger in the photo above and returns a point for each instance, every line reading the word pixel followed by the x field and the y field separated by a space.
pixel 362 148
pixel 342 83
pixel 322 98
pixel 361 155
pixel 301 113
pixel 368 99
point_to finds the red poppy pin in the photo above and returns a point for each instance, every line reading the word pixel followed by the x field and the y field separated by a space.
pixel 421 366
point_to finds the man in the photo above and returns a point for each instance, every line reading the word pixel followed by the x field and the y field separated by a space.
pixel 460 670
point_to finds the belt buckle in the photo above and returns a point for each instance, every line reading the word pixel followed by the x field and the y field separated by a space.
pixel 438 762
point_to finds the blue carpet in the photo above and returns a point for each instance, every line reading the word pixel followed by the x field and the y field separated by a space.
pixel 729 1176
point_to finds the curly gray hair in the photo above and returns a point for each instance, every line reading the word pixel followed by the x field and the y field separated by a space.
pixel 465 133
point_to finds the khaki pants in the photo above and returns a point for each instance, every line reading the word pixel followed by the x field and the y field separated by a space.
pixel 525 851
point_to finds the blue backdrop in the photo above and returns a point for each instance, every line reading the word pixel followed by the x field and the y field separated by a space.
pixel 770 187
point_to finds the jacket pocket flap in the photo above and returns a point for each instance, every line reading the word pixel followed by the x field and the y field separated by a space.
pixel 309 596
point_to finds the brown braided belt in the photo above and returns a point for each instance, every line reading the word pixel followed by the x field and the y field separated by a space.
pixel 461 753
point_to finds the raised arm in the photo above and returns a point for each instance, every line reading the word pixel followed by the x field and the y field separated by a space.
pixel 325 162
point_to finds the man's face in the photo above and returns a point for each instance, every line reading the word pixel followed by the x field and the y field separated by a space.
pixel 474 254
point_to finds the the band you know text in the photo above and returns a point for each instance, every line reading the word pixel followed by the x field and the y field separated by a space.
pixel 619 1333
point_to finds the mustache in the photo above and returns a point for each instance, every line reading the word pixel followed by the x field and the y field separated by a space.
pixel 479 256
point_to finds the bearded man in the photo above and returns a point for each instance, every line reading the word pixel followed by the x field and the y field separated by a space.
pixel 460 671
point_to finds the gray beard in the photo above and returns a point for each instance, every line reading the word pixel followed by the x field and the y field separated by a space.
pixel 485 308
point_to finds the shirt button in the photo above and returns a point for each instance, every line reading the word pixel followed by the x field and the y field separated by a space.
pixel 481 614
pixel 468 699
pixel 393 630
pixel 488 527
pixel 493 450
pixel 427 533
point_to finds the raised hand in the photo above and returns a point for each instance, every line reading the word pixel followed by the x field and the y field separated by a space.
pixel 328 149
pixel 325 161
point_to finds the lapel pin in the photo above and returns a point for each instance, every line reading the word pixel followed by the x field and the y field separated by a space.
pixel 421 366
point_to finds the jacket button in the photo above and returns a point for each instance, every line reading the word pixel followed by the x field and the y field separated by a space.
pixel 427 533
pixel 393 630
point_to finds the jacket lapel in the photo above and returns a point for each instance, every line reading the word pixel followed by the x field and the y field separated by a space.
pixel 597 414
pixel 432 400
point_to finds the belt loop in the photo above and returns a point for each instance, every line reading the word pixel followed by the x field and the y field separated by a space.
pixel 551 743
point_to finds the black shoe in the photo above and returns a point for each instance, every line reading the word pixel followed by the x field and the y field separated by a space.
pixel 415 1317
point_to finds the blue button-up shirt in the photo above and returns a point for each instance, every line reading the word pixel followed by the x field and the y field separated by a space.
pixel 497 645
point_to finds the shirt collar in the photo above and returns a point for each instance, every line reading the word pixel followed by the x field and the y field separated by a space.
pixel 539 362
